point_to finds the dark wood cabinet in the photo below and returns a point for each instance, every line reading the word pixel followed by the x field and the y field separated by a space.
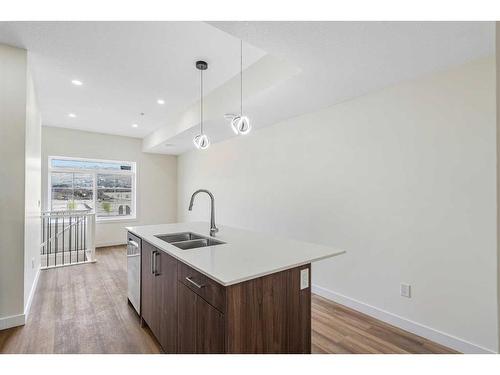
pixel 166 275
pixel 188 312
pixel 269 314
pixel 186 338
pixel 200 325
pixel 210 290
pixel 209 328
pixel 159 295
pixel 147 285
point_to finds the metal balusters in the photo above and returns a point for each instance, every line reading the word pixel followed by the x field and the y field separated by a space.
pixel 70 229
pixel 56 241
pixel 76 240
pixel 63 245
pixel 79 236
pixel 49 243
pixel 85 238
pixel 63 233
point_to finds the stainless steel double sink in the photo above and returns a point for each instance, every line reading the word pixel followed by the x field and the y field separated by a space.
pixel 189 240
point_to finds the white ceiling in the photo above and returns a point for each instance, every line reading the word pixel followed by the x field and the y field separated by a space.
pixel 343 60
pixel 339 61
pixel 126 66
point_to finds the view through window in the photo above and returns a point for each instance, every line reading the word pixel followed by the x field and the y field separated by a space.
pixel 104 186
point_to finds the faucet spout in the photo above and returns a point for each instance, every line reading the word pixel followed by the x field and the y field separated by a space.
pixel 213 227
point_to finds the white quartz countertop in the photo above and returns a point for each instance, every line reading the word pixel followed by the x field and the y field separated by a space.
pixel 244 256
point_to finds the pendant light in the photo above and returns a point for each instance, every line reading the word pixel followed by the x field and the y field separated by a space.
pixel 240 123
pixel 201 141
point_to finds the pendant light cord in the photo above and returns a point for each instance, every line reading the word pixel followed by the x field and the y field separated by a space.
pixel 201 101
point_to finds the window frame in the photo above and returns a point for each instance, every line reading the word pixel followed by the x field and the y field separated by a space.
pixel 94 173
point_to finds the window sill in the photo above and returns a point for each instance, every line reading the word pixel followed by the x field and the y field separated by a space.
pixel 116 219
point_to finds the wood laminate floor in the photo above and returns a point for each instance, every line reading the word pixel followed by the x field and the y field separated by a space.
pixel 83 309
pixel 339 329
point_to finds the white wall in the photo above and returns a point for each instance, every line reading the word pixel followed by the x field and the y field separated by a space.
pixel 12 174
pixel 497 40
pixel 33 194
pixel 156 176
pixel 404 179
pixel 20 133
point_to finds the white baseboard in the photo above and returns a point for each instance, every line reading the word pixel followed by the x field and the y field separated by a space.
pixel 19 320
pixel 12 321
pixel 403 323
pixel 32 293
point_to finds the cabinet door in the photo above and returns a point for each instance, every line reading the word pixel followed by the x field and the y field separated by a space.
pixel 186 334
pixel 201 326
pixel 209 328
pixel 147 285
pixel 166 296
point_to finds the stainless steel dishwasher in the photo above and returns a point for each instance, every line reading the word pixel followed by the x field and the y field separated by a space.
pixel 134 272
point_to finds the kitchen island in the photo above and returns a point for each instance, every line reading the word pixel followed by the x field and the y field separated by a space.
pixel 236 292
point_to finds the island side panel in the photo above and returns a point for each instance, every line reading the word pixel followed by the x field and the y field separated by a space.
pixel 269 314
pixel 299 323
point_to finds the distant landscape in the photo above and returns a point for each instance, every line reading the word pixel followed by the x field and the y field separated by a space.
pixel 74 191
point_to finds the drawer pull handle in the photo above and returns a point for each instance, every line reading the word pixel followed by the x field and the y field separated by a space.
pixel 192 282
pixel 153 262
pixel 156 272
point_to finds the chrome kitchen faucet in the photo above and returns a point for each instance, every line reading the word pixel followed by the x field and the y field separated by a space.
pixel 213 228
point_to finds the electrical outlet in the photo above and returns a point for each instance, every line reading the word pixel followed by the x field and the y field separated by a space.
pixel 405 290
pixel 304 278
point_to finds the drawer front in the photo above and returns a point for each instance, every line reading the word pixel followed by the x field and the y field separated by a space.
pixel 205 287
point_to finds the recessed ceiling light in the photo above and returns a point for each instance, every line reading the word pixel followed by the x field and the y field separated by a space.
pixel 135 125
pixel 77 82
pixel 160 101
pixel 72 115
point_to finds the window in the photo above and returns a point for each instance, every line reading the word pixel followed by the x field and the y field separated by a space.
pixel 106 187
pixel 72 191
